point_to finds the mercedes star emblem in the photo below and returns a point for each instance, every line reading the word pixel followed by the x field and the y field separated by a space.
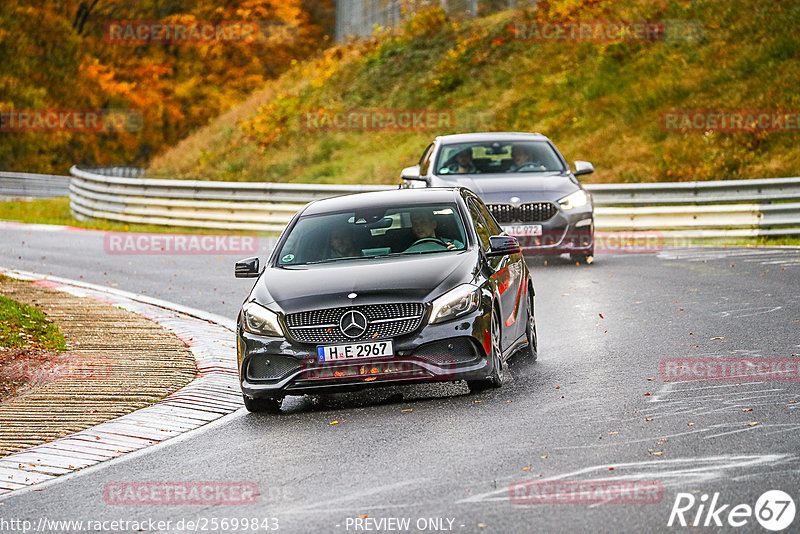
pixel 353 324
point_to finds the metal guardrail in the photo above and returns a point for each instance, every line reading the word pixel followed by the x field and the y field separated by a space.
pixel 693 210
pixel 260 206
pixel 14 185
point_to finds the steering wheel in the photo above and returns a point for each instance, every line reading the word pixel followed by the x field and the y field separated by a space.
pixel 532 165
pixel 436 240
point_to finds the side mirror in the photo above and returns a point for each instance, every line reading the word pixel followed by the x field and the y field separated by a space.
pixel 583 167
pixel 502 245
pixel 247 268
pixel 412 173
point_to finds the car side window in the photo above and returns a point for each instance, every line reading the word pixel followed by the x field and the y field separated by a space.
pixel 481 226
pixel 494 228
pixel 425 160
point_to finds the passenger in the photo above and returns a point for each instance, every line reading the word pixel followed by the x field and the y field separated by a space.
pixel 343 243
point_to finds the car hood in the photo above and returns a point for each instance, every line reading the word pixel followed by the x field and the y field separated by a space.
pixel 499 188
pixel 418 278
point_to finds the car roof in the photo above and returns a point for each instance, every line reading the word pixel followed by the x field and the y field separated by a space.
pixel 384 199
pixel 490 136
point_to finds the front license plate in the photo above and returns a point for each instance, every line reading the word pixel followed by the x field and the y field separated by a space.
pixel 524 229
pixel 355 351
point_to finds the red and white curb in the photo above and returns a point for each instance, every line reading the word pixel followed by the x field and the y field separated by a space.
pixel 212 395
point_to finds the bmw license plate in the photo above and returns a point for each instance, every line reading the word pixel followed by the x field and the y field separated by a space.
pixel 524 229
pixel 355 351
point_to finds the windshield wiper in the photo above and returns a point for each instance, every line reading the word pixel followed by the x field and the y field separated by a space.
pixel 329 260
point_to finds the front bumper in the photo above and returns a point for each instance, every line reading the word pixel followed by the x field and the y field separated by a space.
pixel 566 232
pixel 275 367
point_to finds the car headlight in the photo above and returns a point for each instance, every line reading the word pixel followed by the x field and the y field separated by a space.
pixel 257 319
pixel 574 200
pixel 457 302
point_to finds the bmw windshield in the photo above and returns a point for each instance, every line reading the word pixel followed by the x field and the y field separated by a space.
pixel 498 157
pixel 379 232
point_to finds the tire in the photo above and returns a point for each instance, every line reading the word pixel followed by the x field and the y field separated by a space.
pixel 586 258
pixel 262 405
pixel 495 379
pixel 531 351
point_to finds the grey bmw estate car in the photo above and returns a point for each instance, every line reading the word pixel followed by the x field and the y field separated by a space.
pixel 525 182
pixel 381 288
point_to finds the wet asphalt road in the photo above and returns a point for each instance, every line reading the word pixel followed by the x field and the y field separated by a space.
pixel 593 408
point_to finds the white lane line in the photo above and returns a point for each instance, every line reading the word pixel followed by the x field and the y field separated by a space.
pixel 683 471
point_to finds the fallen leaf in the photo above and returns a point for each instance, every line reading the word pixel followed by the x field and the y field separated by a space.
pixel 754 423
pixel 747 409
pixel 720 337
pixel 651 379
pixel 334 423
pixel 408 410
pixel 556 387
pixel 646 394
pixel 656 453
pixel 648 418
pixel 690 424
pixel 527 468
pixel 543 457
pixel 601 315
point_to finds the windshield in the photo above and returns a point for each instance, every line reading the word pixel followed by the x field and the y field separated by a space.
pixel 370 233
pixel 498 157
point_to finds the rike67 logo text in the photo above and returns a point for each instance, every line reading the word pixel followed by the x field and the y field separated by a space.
pixel 774 510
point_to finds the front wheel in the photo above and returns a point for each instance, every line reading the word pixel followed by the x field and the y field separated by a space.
pixel 495 379
pixel 587 257
pixel 532 349
pixel 263 405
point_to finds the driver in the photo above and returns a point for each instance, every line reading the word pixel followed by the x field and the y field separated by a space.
pixel 522 158
pixel 423 225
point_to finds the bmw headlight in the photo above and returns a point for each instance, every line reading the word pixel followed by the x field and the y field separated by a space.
pixel 457 302
pixel 257 319
pixel 574 200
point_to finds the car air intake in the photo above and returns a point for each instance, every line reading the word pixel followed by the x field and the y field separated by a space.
pixel 528 212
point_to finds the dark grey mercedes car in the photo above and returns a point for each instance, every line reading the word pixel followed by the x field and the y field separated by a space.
pixel 391 287
pixel 525 182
